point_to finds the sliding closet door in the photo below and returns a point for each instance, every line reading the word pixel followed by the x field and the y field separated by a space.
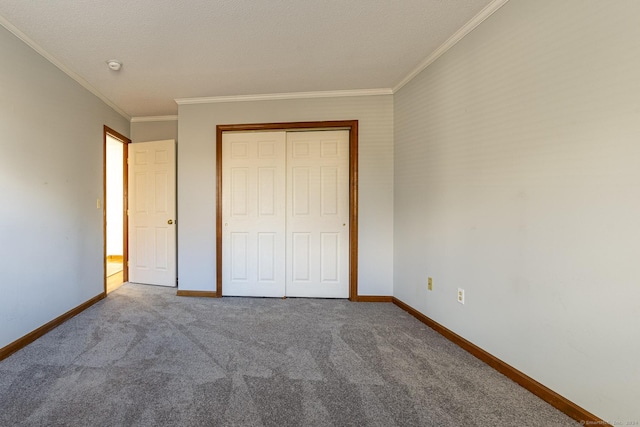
pixel 253 214
pixel 285 214
pixel 318 214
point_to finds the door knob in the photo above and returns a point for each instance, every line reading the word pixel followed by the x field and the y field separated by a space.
pixel 170 222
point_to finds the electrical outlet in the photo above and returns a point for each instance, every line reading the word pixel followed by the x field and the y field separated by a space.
pixel 461 296
pixel 430 284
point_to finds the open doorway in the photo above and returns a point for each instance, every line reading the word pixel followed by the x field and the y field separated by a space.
pixel 115 209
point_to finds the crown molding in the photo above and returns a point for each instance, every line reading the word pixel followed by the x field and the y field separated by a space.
pixel 277 96
pixel 46 55
pixel 153 119
pixel 451 41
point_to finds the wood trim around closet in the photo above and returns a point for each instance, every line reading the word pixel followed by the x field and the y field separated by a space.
pixel 352 127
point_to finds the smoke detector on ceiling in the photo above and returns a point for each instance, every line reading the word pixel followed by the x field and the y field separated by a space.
pixel 114 65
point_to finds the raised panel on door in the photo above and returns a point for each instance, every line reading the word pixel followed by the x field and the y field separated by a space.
pixel 140 256
pixel 318 214
pixel 329 258
pixel 253 214
pixel 300 191
pixel 329 194
pixel 161 184
pixel 300 250
pixel 267 257
pixel 239 192
pixel 152 228
pixel 239 256
pixel 162 262
pixel 267 191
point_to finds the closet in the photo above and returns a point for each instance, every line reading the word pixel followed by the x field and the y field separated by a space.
pixel 285 213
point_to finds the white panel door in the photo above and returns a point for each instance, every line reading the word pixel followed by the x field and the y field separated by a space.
pixel 318 214
pixel 253 214
pixel 152 213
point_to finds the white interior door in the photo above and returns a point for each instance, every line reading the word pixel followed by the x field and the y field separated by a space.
pixel 318 214
pixel 152 213
pixel 253 214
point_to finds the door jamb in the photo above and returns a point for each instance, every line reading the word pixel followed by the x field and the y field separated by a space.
pixel 352 126
pixel 125 202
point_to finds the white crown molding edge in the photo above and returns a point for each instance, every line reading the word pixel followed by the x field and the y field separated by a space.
pixel 153 119
pixel 82 82
pixel 278 96
pixel 485 13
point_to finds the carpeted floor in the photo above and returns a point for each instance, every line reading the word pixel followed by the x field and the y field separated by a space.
pixel 145 357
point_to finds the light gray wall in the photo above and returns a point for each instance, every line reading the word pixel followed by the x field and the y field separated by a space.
pixel 154 130
pixel 197 185
pixel 517 178
pixel 51 238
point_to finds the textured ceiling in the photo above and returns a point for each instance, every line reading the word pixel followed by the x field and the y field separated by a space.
pixel 203 48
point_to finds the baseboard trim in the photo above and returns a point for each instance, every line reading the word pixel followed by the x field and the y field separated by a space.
pixel 115 258
pixel 373 298
pixel 20 343
pixel 201 294
pixel 563 404
pixel 214 294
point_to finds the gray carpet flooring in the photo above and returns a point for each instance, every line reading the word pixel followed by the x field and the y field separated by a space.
pixel 145 357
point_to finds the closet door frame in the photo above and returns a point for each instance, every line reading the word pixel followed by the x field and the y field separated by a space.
pixel 352 127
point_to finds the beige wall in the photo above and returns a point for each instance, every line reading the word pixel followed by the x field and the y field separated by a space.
pixel 51 238
pixel 517 178
pixel 197 190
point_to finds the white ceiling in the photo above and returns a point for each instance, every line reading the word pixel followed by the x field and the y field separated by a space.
pixel 173 49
